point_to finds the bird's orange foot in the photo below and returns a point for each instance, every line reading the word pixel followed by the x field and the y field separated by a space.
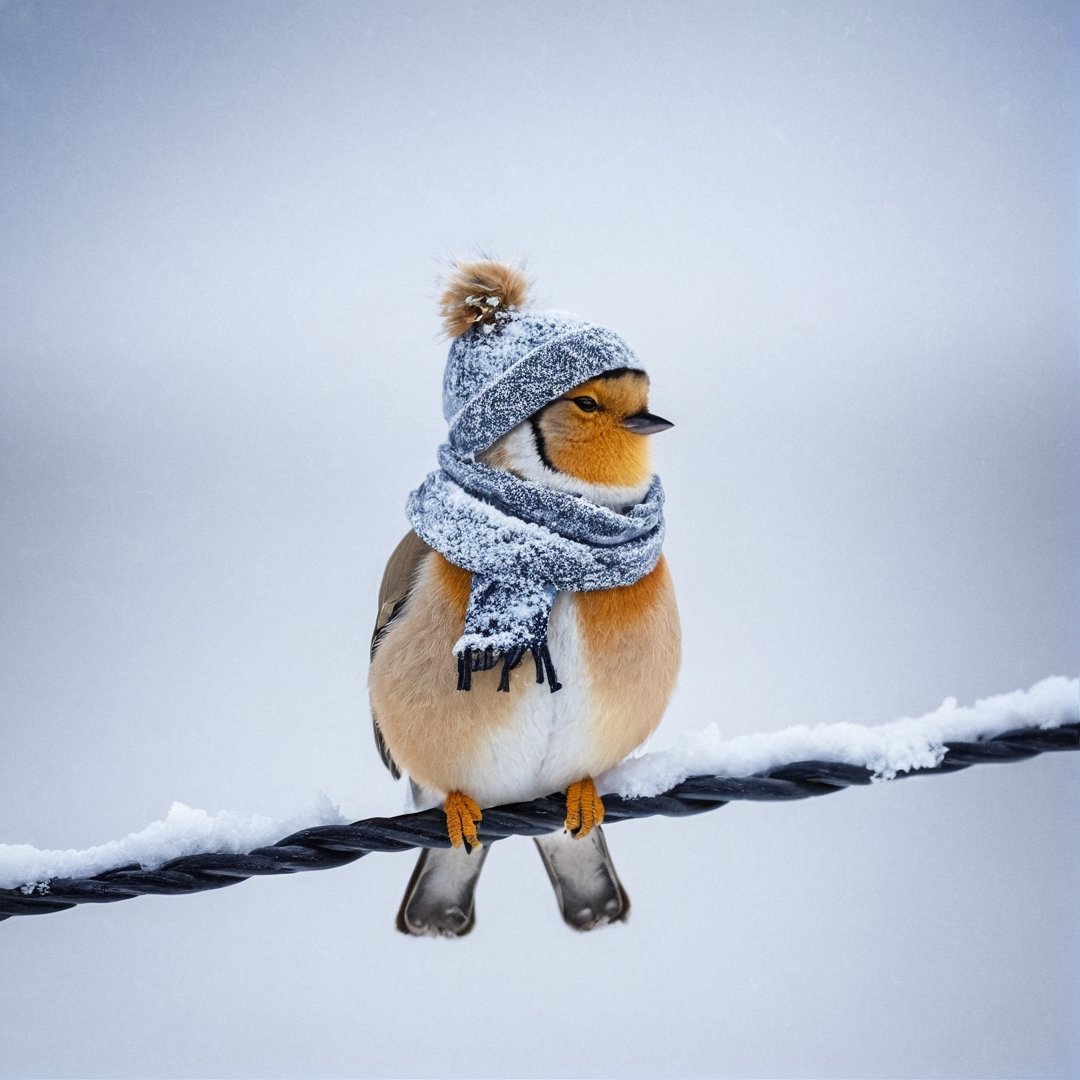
pixel 584 808
pixel 462 814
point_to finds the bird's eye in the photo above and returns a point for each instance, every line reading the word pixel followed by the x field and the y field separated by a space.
pixel 586 404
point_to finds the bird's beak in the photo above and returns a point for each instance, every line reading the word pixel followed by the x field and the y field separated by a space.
pixel 645 423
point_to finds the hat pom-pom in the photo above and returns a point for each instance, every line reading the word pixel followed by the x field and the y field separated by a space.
pixel 481 294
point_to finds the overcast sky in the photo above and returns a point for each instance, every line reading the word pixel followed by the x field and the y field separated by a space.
pixel 842 238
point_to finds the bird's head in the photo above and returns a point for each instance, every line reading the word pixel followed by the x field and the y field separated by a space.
pixel 501 390
pixel 593 440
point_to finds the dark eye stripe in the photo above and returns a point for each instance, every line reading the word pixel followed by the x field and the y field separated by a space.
pixel 538 441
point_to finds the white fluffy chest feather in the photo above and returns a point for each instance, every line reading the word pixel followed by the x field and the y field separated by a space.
pixel 546 744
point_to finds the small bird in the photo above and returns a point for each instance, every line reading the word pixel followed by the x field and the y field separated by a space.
pixel 539 537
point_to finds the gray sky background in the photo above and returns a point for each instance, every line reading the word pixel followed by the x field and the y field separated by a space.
pixel 841 236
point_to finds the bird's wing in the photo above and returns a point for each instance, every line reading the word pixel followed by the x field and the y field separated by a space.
pixel 393 593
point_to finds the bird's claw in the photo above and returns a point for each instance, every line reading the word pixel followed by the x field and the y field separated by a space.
pixel 462 815
pixel 584 808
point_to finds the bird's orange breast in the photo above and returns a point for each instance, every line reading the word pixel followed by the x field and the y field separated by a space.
pixel 617 653
pixel 632 646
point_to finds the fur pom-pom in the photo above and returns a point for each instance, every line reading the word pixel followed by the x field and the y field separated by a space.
pixel 481 294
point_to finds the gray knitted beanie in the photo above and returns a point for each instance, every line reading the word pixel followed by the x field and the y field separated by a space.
pixel 506 362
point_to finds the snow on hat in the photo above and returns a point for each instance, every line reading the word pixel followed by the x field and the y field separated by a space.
pixel 505 363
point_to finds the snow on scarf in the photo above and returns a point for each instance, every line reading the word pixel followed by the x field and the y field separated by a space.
pixel 524 543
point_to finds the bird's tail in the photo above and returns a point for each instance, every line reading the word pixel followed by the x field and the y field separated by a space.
pixel 583 876
pixel 440 900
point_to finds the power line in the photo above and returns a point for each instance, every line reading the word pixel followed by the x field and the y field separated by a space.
pixel 327 846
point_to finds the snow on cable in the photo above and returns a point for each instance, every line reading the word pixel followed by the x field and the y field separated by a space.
pixel 888 750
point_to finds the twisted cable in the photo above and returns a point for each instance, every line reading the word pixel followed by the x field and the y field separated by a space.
pixel 326 846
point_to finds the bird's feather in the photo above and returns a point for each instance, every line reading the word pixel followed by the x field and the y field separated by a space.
pixel 397 583
pixel 583 876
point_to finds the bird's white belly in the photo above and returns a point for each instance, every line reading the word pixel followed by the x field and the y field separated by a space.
pixel 546 743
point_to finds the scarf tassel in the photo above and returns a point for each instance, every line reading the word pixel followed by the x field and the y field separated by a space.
pixel 471 660
pixel 542 659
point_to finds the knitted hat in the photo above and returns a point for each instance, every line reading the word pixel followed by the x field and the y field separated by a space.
pixel 505 363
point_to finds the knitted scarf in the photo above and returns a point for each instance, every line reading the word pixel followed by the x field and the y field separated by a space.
pixel 523 544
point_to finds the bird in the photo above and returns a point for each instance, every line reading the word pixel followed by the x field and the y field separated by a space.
pixel 549 425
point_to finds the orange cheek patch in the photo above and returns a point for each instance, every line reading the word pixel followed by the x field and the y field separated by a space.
pixel 610 455
pixel 595 447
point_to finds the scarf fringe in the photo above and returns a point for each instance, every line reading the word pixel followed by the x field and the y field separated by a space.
pixel 471 660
